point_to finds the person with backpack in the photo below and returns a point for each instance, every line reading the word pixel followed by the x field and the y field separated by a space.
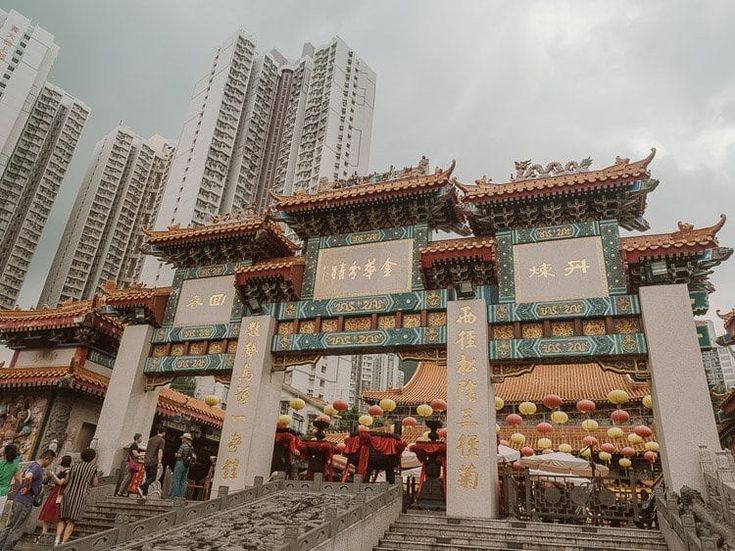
pixel 28 493
pixel 184 458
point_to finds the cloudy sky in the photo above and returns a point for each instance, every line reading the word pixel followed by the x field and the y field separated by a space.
pixel 485 83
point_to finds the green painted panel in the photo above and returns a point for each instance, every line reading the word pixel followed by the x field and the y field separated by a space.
pixel 193 364
pixel 581 308
pixel 604 345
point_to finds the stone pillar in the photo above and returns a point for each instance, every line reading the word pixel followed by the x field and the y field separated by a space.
pixel 128 408
pixel 681 402
pixel 57 422
pixel 472 467
pixel 246 444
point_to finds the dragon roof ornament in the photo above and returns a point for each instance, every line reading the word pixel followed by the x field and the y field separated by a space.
pixel 525 170
pixel 421 169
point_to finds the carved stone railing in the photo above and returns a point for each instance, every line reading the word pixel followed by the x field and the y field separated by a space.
pixel 693 522
pixel 368 498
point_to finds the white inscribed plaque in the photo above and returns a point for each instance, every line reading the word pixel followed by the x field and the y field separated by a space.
pixel 205 300
pixel 560 270
pixel 369 269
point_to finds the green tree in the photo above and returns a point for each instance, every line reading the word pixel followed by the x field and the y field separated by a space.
pixel 185 385
pixel 348 420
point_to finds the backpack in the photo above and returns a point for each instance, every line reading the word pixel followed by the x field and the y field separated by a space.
pixel 190 457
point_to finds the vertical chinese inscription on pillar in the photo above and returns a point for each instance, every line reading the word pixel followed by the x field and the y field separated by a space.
pixel 251 364
pixel 471 449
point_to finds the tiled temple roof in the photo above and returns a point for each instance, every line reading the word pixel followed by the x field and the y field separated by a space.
pixel 172 403
pixel 572 382
pixel 67 314
pixel 152 299
pixel 410 185
pixel 622 171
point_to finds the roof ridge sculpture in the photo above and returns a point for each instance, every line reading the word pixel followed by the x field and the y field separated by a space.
pixel 686 234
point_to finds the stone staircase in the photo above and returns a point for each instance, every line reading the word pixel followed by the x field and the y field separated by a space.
pixel 101 516
pixel 435 532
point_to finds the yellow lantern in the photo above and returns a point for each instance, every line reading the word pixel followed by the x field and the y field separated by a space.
pixel 425 435
pixel 544 443
pixel 211 400
pixel 633 438
pixel 647 401
pixel 586 453
pixel 559 417
pixel 590 425
pixel 387 405
pixel 527 408
pixel 604 457
pixel 518 438
pixel 284 420
pixel 424 410
pixel 565 448
pixel 365 420
pixel 499 403
pixel 615 432
pixel 297 404
pixel 618 396
pixel 624 462
pixel 652 446
pixel 329 410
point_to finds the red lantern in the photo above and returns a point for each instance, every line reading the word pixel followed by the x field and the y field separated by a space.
pixel 650 456
pixel 340 405
pixel 438 405
pixel 324 419
pixel 628 451
pixel 586 406
pixel 526 451
pixel 620 416
pixel 442 432
pixel 409 422
pixel 517 466
pixel 552 401
pixel 643 431
pixel 589 441
pixel 544 428
pixel 375 411
pixel 341 446
pixel 514 419
pixel 608 447
pixel 505 443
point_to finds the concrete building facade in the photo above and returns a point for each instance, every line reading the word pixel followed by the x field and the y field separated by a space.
pixel 98 238
pixel 31 180
pixel 260 122
pixel 719 362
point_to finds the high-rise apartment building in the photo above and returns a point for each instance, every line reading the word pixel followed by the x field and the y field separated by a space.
pixel 27 53
pixel 97 242
pixel 262 122
pixel 40 125
pixel 31 180
pixel 719 362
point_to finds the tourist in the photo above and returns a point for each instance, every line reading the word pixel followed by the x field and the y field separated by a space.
pixel 50 511
pixel 184 458
pixel 131 465
pixel 82 476
pixel 28 489
pixel 153 461
pixel 8 467
pixel 139 474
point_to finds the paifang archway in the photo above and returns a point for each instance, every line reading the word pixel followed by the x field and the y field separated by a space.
pixel 546 276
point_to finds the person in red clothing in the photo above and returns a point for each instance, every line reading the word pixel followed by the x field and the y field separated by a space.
pixel 50 511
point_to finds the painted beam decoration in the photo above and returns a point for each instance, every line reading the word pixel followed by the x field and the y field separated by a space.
pixel 601 345
pixel 582 308
pixel 389 339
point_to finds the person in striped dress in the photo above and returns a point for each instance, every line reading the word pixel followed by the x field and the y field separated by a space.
pixel 81 477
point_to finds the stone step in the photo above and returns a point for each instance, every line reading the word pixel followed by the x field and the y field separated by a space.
pixel 518 540
pixel 535 529
pixel 490 546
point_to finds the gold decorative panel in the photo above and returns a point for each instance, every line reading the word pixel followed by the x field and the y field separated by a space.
pixel 159 350
pixel 307 326
pixel 593 327
pixel 232 346
pixel 562 329
pixel 436 319
pixel 198 348
pixel 358 324
pixel 387 322
pixel 216 347
pixel 330 325
pixel 502 332
pixel 626 325
pixel 178 349
pixel 532 330
pixel 286 327
pixel 412 320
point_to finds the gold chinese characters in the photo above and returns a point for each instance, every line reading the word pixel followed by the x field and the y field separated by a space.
pixel 367 270
pixel 546 270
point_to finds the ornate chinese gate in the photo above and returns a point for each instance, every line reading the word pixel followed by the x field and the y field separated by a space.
pixel 546 277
